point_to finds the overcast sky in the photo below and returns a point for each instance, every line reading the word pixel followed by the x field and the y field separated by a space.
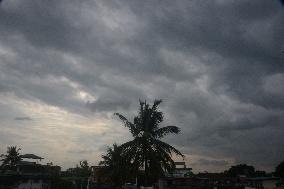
pixel 66 66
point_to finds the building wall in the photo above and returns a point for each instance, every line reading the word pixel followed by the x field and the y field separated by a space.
pixel 180 172
pixel 32 184
pixel 269 184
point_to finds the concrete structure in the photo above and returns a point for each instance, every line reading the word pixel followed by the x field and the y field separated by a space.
pixel 33 168
pixel 33 183
pixel 29 175
pixel 96 176
pixel 180 170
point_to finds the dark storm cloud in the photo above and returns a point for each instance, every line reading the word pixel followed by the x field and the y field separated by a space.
pixel 23 118
pixel 218 65
pixel 49 26
pixel 212 162
pixel 80 151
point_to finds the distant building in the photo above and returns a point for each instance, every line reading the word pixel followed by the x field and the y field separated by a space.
pixel 180 170
pixel 35 169
pixel 29 175
pixel 96 175
pixel 180 177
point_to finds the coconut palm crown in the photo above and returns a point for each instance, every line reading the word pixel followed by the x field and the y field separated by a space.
pixel 11 158
pixel 147 151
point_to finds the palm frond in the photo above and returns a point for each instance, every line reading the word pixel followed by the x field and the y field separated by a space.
pixel 167 148
pixel 134 131
pixel 161 132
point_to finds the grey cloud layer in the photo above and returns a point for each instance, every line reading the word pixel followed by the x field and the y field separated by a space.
pixel 23 118
pixel 218 65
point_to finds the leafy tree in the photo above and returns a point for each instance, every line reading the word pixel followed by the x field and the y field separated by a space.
pixel 241 169
pixel 279 170
pixel 146 150
pixel 117 167
pixel 11 158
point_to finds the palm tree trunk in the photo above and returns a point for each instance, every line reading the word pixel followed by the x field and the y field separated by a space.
pixel 145 168
pixel 146 172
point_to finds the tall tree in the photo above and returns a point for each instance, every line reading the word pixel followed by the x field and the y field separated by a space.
pixel 11 157
pixel 146 150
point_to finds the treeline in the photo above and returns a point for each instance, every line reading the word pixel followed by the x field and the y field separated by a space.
pixel 248 171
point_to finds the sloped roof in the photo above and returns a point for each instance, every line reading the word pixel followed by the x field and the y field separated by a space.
pixel 25 163
pixel 31 156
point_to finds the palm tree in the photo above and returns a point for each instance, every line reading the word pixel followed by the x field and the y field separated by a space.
pixel 11 158
pixel 116 164
pixel 146 150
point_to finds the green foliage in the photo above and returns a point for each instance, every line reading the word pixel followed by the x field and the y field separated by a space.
pixel 241 169
pixel 244 169
pixel 11 158
pixel 117 166
pixel 147 151
pixel 279 170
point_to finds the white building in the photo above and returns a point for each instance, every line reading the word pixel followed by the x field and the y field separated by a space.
pixel 181 170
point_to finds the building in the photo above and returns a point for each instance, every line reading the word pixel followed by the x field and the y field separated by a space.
pixel 180 170
pixel 29 175
pixel 180 177
pixel 97 175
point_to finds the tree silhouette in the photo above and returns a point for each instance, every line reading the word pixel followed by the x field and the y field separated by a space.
pixel 11 157
pixel 279 170
pixel 117 167
pixel 81 170
pixel 241 169
pixel 84 169
pixel 146 150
